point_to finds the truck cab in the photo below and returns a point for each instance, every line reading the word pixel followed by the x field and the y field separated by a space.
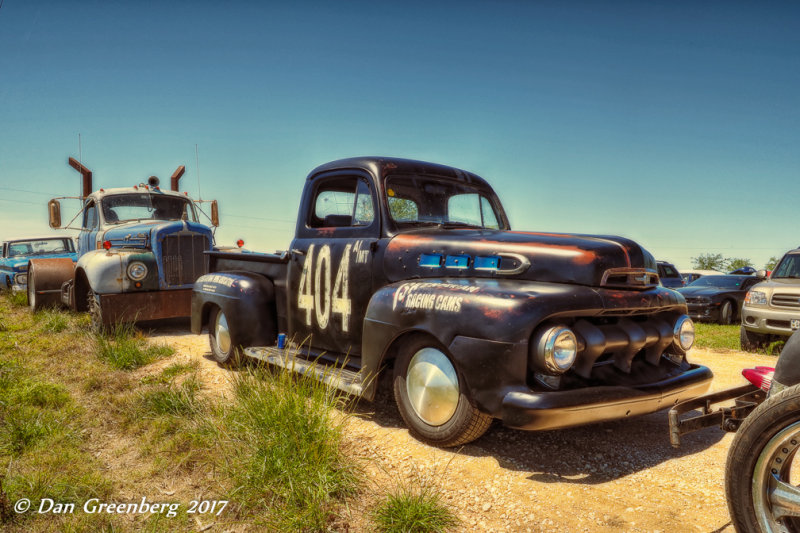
pixel 140 249
pixel 411 268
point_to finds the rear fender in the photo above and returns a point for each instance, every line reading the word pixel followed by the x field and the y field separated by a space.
pixel 248 301
pixel 787 369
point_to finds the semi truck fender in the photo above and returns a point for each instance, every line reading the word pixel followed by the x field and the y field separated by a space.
pixel 106 270
pixel 248 301
pixel 485 324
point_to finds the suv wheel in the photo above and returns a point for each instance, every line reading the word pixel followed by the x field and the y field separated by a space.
pixel 750 341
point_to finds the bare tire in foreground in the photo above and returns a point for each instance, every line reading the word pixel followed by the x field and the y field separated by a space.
pixel 431 398
pixel 758 484
pixel 224 349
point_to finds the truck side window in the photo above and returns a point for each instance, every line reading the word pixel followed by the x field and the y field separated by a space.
pixel 90 217
pixel 343 202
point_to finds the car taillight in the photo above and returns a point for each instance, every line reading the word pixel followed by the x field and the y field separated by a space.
pixel 760 376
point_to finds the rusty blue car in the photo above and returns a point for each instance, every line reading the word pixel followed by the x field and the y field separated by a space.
pixel 17 253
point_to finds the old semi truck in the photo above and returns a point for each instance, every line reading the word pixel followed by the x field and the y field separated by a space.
pixel 140 249
pixel 411 268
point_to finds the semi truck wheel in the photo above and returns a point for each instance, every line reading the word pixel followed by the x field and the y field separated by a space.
pixel 431 398
pixel 224 348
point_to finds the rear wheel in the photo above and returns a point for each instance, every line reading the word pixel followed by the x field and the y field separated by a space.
pixel 224 348
pixel 750 341
pixel 431 396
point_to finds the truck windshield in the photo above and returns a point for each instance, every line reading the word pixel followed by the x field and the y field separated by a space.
pixel 40 247
pixel 789 267
pixel 126 207
pixel 416 200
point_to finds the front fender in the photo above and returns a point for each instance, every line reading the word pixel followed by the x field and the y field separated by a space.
pixel 248 301
pixel 486 318
pixel 106 270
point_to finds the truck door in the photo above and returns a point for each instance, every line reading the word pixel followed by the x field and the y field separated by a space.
pixel 86 239
pixel 330 274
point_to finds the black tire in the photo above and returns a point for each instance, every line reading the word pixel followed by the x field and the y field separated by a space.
pixel 726 313
pixel 460 421
pixel 763 451
pixel 225 351
pixel 95 312
pixel 751 342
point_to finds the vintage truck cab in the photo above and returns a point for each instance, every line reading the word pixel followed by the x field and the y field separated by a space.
pixel 411 268
pixel 140 249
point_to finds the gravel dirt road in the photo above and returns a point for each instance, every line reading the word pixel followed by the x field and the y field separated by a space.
pixel 617 476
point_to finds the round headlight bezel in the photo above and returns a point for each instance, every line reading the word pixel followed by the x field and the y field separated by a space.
pixel 137 271
pixel 683 334
pixel 556 350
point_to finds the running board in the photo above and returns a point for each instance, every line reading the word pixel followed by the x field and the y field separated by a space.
pixel 344 380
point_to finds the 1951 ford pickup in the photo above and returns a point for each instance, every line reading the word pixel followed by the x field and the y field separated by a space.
pixel 411 268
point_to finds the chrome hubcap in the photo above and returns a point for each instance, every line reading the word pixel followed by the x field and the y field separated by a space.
pixel 432 386
pixel 774 496
pixel 221 334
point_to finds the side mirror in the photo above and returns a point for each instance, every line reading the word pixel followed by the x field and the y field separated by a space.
pixel 761 274
pixel 214 213
pixel 54 210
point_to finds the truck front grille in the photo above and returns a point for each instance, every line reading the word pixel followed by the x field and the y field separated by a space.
pixel 786 300
pixel 183 258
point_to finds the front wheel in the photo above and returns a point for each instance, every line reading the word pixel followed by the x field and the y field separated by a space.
pixel 750 341
pixel 224 349
pixel 758 484
pixel 726 313
pixel 431 398
pixel 95 312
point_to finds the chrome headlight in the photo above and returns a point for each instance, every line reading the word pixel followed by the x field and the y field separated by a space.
pixel 21 279
pixel 555 349
pixel 137 271
pixel 683 334
pixel 755 298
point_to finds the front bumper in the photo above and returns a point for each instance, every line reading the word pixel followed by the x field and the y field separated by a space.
pixel 769 320
pixel 143 306
pixel 561 409
pixel 709 311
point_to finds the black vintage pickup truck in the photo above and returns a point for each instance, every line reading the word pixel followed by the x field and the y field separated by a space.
pixel 411 268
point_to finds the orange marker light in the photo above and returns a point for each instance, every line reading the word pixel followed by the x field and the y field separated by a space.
pixel 107 245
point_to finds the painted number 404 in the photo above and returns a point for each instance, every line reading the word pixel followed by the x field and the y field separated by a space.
pixel 316 296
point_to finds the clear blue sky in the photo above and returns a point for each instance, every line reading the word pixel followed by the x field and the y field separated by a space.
pixel 673 123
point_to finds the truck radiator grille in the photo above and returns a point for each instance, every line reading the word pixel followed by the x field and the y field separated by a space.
pixel 786 300
pixel 183 258
pixel 621 341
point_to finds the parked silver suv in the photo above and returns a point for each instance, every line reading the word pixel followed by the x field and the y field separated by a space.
pixel 772 308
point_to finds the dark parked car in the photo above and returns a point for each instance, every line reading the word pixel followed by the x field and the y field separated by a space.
pixel 717 298
pixel 670 277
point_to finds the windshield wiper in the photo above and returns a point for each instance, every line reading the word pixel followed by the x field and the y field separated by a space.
pixel 455 224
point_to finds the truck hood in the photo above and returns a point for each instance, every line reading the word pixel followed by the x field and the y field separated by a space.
pixel 549 257
pixel 143 234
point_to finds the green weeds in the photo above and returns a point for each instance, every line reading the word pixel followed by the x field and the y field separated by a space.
pixel 282 438
pixel 413 510
pixel 124 348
